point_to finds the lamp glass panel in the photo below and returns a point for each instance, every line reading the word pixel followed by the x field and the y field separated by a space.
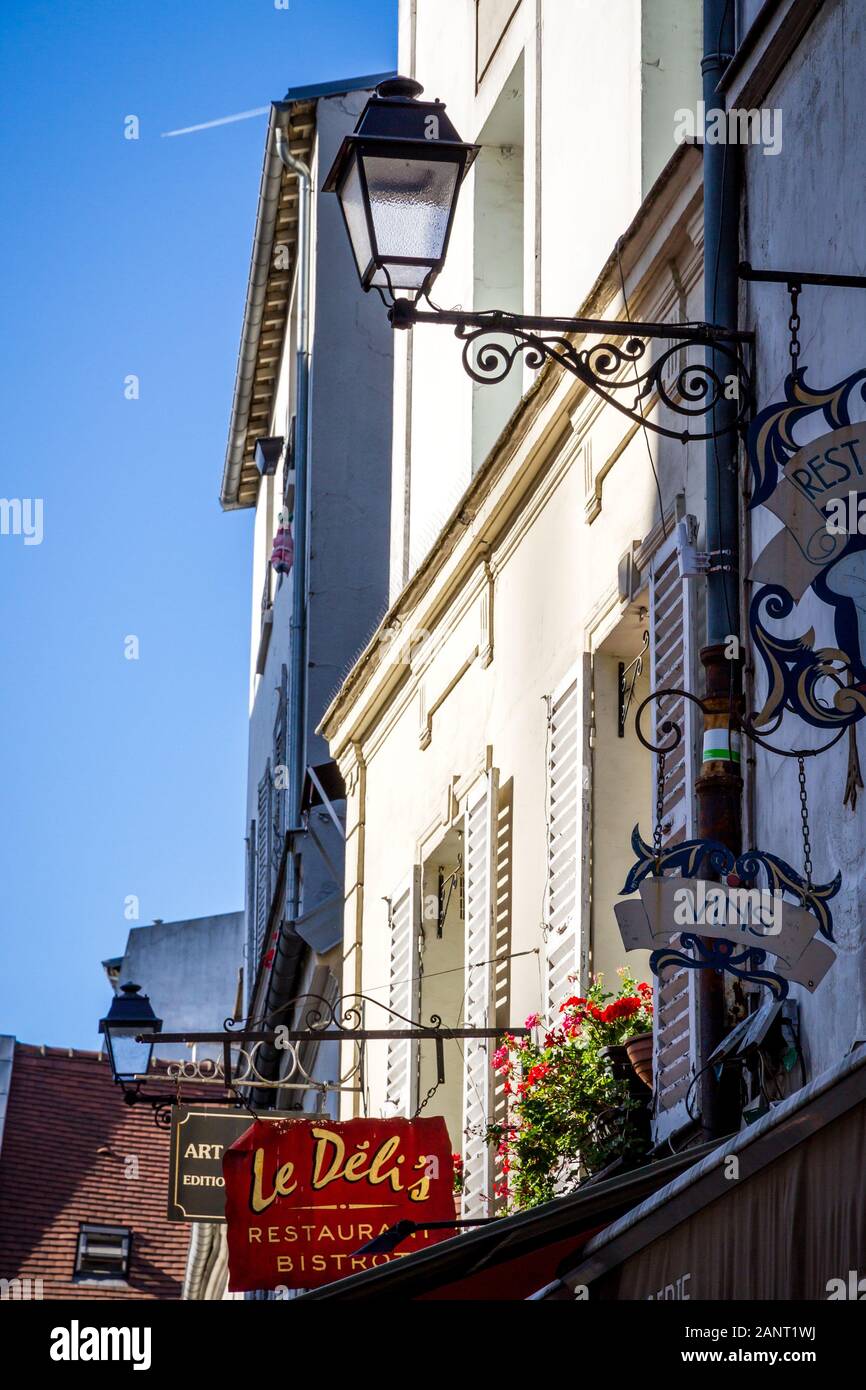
pixel 401 277
pixel 411 202
pixel 352 200
pixel 130 1058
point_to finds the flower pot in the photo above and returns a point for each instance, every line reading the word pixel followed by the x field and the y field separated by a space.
pixel 622 1068
pixel 640 1054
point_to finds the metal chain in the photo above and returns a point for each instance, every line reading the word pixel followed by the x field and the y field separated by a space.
pixel 804 817
pixel 793 325
pixel 660 806
pixel 429 1096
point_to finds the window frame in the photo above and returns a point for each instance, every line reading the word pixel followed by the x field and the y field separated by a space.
pixel 96 1229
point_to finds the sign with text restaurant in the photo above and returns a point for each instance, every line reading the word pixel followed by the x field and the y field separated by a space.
pixel 303 1197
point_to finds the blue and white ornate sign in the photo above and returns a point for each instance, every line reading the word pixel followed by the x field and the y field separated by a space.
pixel 817 489
pixel 737 926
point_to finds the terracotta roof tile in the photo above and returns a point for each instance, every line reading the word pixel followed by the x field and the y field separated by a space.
pixel 63 1107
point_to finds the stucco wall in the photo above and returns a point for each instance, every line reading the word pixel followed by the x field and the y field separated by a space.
pixel 554 566
pixel 599 86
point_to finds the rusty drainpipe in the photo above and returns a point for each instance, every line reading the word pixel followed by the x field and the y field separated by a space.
pixel 719 785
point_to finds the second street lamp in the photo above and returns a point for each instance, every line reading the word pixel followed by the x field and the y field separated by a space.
pixel 398 177
pixel 131 1014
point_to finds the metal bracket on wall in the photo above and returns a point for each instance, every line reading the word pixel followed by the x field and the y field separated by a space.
pixel 798 278
pixel 619 369
pixel 628 679
pixel 318 1020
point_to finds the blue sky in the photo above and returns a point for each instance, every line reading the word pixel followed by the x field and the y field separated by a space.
pixel 129 257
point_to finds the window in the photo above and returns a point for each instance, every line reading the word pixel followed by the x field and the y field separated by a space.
pixel 289 470
pixel 102 1253
pixel 498 251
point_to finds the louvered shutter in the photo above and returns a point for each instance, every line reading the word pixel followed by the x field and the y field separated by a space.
pixel 671 647
pixel 479 823
pixel 263 861
pixel 563 831
pixel 280 792
pixel 400 1078
pixel 250 935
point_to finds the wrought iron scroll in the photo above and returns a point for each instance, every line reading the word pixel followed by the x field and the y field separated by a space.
pixel 315 1019
pixel 618 372
pixel 620 368
pixel 719 955
pixel 825 686
pixel 690 858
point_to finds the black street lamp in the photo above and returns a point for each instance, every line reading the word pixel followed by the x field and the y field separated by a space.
pixel 130 1015
pixel 398 176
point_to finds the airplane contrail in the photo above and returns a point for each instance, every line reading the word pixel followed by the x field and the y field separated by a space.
pixel 223 120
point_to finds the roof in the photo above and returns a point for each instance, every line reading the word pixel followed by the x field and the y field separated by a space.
pixel 67 1148
pixel 339 88
pixel 513 1256
pixel 269 285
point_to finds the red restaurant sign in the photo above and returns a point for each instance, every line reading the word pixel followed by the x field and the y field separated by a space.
pixel 303 1196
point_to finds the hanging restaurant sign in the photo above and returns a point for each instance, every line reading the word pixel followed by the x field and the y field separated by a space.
pixel 753 933
pixel 304 1196
pixel 817 488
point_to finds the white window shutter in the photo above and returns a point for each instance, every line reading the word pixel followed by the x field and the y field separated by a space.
pixel 671 665
pixel 263 861
pixel 279 810
pixel 672 624
pixel 561 913
pixel 250 960
pixel 479 828
pixel 401 1082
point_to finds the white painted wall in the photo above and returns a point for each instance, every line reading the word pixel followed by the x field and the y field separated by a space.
pixel 555 599
pixel 598 86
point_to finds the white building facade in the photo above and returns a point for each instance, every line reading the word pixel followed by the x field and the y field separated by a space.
pixel 539 582
pixel 493 774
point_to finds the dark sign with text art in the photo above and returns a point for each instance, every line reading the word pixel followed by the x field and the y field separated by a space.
pixel 304 1196
pixel 199 1138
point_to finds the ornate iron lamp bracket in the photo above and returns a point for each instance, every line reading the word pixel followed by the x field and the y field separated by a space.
pixel 315 1020
pixel 620 368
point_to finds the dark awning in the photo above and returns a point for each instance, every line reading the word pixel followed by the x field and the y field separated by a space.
pixel 790 1186
pixel 512 1257
pixel 322 783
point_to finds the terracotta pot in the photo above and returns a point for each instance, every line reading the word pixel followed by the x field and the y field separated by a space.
pixel 640 1054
